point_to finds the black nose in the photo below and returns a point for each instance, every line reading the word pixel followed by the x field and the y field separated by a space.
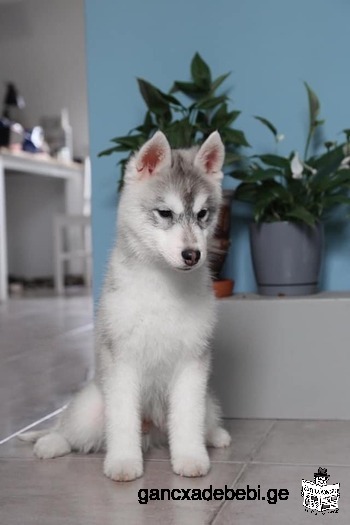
pixel 191 257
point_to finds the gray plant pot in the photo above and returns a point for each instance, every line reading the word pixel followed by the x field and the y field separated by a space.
pixel 286 257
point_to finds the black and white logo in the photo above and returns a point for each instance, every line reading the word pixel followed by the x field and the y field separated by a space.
pixel 318 495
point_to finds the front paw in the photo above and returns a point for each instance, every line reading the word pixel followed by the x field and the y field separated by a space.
pixel 191 465
pixel 122 468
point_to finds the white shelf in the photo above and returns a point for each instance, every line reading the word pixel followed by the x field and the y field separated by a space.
pixel 284 357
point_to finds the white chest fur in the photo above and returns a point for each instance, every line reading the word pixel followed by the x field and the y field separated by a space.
pixel 156 315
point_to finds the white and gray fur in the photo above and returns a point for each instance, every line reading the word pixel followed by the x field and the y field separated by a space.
pixel 155 322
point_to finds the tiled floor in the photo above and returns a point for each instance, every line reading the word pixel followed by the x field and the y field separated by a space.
pixel 46 354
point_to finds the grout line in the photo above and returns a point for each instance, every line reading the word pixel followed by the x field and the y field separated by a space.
pixel 28 427
pixel 212 461
pixel 244 466
pixel 236 479
pixel 260 443
pixel 287 464
pixel 246 463
pixel 261 463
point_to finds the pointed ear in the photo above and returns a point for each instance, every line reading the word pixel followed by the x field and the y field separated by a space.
pixel 211 155
pixel 153 156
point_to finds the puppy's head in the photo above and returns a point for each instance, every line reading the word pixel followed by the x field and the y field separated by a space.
pixel 170 202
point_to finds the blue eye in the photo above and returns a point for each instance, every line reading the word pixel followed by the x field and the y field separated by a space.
pixel 166 214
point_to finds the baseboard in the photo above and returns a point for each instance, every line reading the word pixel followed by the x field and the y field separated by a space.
pixel 45 281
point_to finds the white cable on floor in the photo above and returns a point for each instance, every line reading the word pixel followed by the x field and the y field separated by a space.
pixel 28 427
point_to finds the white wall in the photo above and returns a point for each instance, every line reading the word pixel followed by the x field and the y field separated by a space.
pixel 42 50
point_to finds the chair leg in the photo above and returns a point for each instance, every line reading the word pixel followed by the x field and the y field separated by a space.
pixel 87 272
pixel 59 278
pixel 58 262
pixel 87 259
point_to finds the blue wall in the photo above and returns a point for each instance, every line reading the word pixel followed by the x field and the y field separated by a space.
pixel 270 46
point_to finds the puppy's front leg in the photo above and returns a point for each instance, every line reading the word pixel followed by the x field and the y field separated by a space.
pixel 123 461
pixel 189 457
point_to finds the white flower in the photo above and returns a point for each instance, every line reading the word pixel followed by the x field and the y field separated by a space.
pixel 345 163
pixel 346 149
pixel 312 170
pixel 296 167
pixel 280 137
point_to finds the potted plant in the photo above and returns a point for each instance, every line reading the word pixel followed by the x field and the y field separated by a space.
pixel 290 197
pixel 188 119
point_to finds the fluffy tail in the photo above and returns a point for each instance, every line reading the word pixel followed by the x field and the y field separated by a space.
pixel 33 436
pixel 80 427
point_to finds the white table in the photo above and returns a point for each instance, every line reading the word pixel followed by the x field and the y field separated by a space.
pixel 33 164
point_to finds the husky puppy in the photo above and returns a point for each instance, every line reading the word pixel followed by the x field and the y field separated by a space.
pixel 155 321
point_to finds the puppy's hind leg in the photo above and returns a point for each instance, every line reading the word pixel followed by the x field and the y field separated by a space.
pixel 216 435
pixel 80 427
pixel 52 445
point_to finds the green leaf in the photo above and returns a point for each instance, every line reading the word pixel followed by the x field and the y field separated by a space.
pixel 123 163
pixel 240 175
pixel 231 117
pixel 189 88
pixel 132 142
pixel 181 134
pixel 325 166
pixel 223 118
pixel 220 115
pixel 231 157
pixel 337 181
pixel 172 100
pixel 202 122
pixel 268 124
pixel 273 199
pixel 109 151
pixel 332 200
pixel 302 214
pixel 234 136
pixel 260 175
pixel 210 102
pixel 154 98
pixel 246 192
pixel 274 160
pixel 200 71
pixel 263 202
pixel 314 105
pixel 271 186
pixel 147 127
pixel 124 148
pixel 218 81
pixel 314 108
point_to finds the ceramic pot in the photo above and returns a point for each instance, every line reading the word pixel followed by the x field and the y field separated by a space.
pixel 286 257
pixel 223 287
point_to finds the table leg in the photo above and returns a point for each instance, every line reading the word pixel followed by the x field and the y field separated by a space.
pixel 3 236
pixel 74 194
